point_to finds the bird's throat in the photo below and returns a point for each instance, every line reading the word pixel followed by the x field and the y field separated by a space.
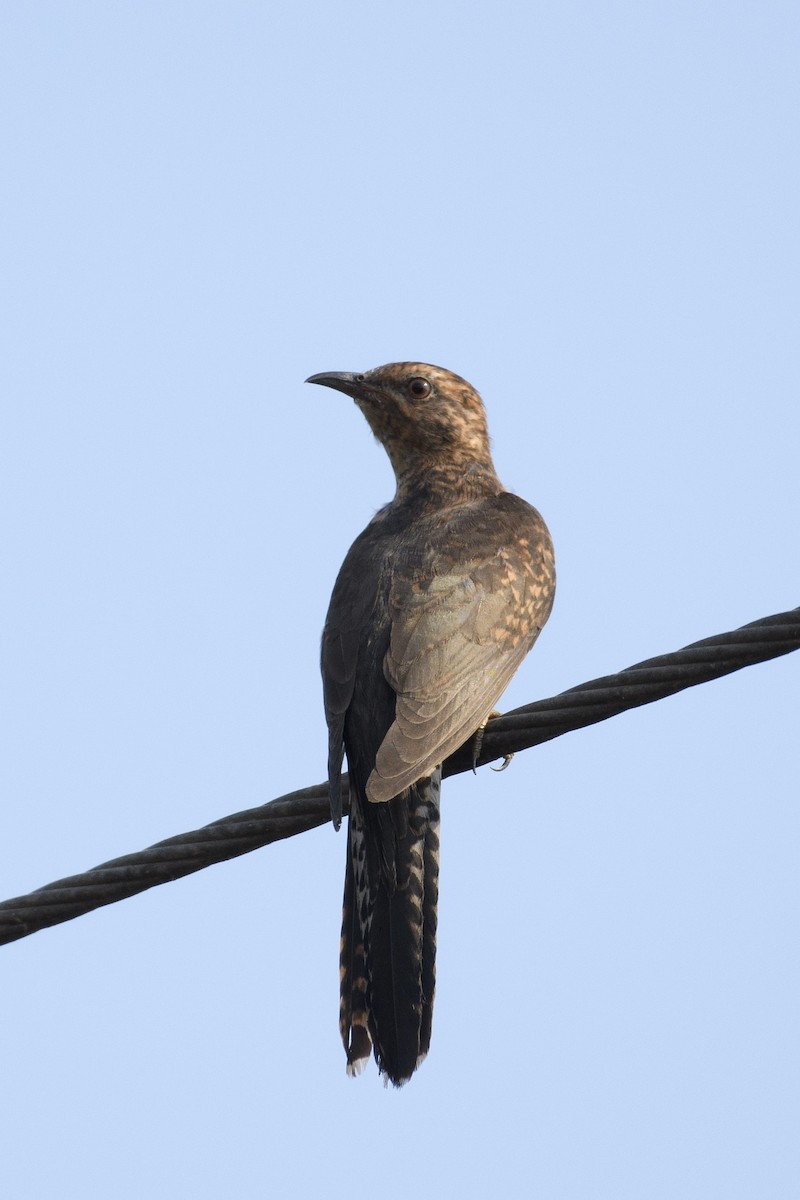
pixel 440 484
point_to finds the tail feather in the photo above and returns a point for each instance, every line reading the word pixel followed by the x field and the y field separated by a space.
pixel 353 1019
pixel 430 913
pixel 388 949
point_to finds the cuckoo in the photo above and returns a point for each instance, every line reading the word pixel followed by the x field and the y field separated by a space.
pixel 435 606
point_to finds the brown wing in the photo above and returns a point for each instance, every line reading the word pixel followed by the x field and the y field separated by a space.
pixel 458 634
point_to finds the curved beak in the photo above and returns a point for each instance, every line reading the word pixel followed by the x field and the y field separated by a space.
pixel 344 381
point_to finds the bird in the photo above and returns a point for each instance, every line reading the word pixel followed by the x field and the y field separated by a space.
pixel 436 604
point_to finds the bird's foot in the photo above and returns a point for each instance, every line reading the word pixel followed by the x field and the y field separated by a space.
pixel 477 743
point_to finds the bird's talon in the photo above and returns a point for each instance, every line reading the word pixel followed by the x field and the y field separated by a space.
pixel 506 760
pixel 477 742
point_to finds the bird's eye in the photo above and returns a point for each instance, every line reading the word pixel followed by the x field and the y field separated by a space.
pixel 419 387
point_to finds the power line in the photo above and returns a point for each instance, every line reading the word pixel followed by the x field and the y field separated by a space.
pixel 305 809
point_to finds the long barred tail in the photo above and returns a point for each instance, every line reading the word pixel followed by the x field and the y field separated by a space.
pixel 388 949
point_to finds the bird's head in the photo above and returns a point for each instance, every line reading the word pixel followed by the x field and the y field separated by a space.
pixel 424 416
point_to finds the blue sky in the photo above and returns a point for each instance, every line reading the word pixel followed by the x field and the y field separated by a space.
pixel 589 211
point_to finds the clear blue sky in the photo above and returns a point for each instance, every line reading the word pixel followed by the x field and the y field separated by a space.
pixel 591 212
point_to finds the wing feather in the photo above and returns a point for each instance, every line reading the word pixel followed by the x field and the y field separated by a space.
pixel 457 637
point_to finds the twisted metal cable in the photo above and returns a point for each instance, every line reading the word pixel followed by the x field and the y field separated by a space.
pixel 305 809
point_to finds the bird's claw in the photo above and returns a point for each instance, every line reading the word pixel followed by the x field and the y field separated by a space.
pixel 477 743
